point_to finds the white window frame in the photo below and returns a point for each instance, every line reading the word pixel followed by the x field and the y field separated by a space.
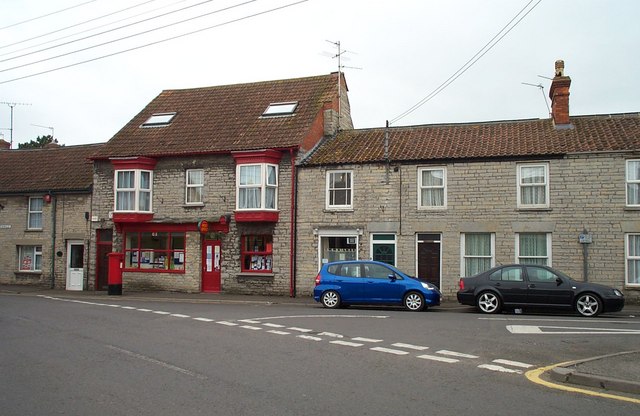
pixel 549 257
pixel 198 187
pixel 464 256
pixel 263 185
pixel 36 252
pixel 630 182
pixel 329 189
pixel 32 213
pixel 521 186
pixel 352 235
pixel 629 258
pixel 137 190
pixel 421 187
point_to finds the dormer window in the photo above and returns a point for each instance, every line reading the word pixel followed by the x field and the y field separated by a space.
pixel 280 109
pixel 159 120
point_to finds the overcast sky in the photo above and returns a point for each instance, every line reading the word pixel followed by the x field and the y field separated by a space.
pixel 395 55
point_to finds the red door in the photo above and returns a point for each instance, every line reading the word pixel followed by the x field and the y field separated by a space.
pixel 211 266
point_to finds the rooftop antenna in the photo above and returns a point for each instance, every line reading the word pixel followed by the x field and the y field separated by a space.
pixel 544 97
pixel 340 67
pixel 11 105
pixel 46 127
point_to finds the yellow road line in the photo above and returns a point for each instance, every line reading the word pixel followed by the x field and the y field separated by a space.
pixel 534 376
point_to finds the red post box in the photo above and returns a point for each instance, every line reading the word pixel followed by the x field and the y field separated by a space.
pixel 115 273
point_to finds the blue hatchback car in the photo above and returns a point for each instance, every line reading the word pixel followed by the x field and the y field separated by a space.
pixel 368 282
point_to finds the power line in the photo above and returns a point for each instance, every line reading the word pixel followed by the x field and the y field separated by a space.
pixel 47 15
pixel 475 58
pixel 119 39
pixel 76 25
pixel 126 37
pixel 157 42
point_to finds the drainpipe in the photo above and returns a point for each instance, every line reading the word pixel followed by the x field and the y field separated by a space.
pixel 54 203
pixel 292 254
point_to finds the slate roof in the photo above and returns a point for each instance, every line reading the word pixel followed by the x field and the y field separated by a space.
pixel 484 140
pixel 56 169
pixel 225 118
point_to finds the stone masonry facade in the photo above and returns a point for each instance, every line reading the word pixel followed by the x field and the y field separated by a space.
pixel 168 204
pixel 586 192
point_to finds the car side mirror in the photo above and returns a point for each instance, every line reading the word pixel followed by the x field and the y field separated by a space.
pixel 392 277
pixel 558 281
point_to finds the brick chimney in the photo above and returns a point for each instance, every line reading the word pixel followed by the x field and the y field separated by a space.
pixel 559 94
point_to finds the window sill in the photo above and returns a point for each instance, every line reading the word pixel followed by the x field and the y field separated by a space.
pixel 249 276
pixel 334 210
pixel 629 208
pixel 200 205
pixel 33 230
pixel 533 209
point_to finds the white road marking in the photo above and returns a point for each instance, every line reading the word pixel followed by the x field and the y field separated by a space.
pixel 270 325
pixel 294 328
pixel 499 369
pixel 309 337
pixel 162 312
pixel 330 334
pixel 437 358
pixel 114 306
pixel 456 354
pixel 320 316
pixel 513 363
pixel 179 315
pixel 129 307
pixel 203 319
pixel 253 328
pixel 346 343
pixel 366 339
pixel 249 321
pixel 568 330
pixel 410 346
pixel 274 331
pixel 227 323
pixel 389 351
pixel 143 310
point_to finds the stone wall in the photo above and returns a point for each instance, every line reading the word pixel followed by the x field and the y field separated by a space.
pixel 586 192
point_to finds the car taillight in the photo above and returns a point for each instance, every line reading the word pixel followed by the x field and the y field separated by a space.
pixel 318 279
pixel 461 284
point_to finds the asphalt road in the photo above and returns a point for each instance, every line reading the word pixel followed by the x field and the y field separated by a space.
pixel 119 356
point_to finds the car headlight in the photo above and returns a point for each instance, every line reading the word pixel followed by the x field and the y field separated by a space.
pixel 428 286
pixel 617 292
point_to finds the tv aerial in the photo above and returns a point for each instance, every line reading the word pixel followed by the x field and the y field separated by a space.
pixel 541 87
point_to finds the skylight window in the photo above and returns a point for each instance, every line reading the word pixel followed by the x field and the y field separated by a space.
pixel 280 109
pixel 159 120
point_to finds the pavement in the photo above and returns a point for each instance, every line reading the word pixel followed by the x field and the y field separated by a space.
pixel 617 372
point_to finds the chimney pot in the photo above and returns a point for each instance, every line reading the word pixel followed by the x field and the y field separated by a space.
pixel 559 68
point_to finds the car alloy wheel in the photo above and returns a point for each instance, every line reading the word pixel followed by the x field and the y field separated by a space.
pixel 330 299
pixel 488 302
pixel 414 301
pixel 588 305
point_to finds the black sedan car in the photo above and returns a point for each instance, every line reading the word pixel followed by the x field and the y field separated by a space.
pixel 523 285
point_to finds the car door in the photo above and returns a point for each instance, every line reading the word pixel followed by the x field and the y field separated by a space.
pixel 510 282
pixel 378 287
pixel 348 277
pixel 545 287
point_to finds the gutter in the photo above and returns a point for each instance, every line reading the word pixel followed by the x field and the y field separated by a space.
pixel 54 202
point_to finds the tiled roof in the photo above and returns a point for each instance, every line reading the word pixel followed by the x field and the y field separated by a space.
pixel 56 169
pixel 224 118
pixel 502 139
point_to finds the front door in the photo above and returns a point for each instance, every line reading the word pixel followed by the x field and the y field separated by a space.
pixel 428 248
pixel 75 265
pixel 211 257
pixel 104 245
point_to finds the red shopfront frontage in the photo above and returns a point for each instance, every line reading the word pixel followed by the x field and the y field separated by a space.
pixel 176 257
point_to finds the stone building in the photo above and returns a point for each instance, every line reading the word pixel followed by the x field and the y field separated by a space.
pixel 45 211
pixel 197 190
pixel 446 201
